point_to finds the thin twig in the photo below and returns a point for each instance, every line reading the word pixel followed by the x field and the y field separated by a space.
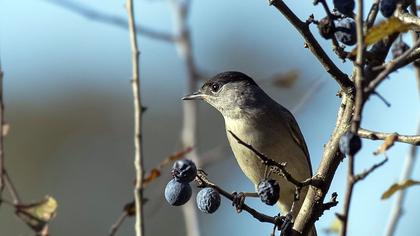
pixel 95 15
pixel 407 172
pixel 204 182
pixel 367 172
pixel 117 224
pixel 303 28
pixel 138 157
pixel 270 162
pixel 1 135
pixel 375 135
pixel 391 67
pixel 189 132
pixel 12 189
pixel 359 102
pixel 373 12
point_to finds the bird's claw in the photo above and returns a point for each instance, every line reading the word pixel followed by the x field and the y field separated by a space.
pixel 238 201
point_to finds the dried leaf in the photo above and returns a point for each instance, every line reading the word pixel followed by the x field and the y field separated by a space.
pixel 335 227
pixel 287 79
pixel 388 143
pixel 38 214
pixel 154 174
pixel 386 28
pixel 397 187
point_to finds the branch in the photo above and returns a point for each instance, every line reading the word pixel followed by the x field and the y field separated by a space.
pixel 118 223
pixel 358 108
pixel 375 135
pixel 269 162
pixel 367 172
pixel 204 182
pixel 407 57
pixel 1 135
pixel 189 132
pixel 373 12
pixel 407 18
pixel 94 15
pixel 303 28
pixel 138 157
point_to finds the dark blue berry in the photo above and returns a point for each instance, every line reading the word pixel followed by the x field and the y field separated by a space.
pixel 269 191
pixel 350 143
pixel 345 31
pixel 177 193
pixel 399 48
pixel 184 171
pixel 345 7
pixel 208 200
pixel 325 27
pixel 387 7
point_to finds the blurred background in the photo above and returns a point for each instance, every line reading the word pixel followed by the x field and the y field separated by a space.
pixel 69 105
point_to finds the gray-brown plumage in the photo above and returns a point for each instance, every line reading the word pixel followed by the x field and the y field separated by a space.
pixel 261 122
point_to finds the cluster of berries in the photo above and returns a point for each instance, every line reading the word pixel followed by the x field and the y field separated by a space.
pixel 178 191
pixel 344 26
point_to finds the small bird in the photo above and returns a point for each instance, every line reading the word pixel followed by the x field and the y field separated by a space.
pixel 267 126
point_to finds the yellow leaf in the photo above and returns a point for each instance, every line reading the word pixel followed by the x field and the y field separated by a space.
pixel 388 143
pixel 386 28
pixel 335 227
pixel 398 186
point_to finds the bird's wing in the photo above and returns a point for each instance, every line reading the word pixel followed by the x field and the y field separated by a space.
pixel 297 136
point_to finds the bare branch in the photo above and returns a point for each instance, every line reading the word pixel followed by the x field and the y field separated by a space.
pixel 406 173
pixel 2 168
pixel 118 223
pixel 395 65
pixel 373 12
pixel 367 172
pixel 375 135
pixel 204 182
pixel 303 28
pixel 94 15
pixel 138 157
pixel 12 189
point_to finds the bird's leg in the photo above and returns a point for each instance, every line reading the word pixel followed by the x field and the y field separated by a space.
pixel 239 199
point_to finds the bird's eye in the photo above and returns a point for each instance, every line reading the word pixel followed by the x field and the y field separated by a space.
pixel 215 87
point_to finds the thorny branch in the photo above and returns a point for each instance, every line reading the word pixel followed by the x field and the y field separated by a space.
pixel 138 157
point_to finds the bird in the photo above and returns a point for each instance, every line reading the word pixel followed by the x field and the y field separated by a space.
pixel 258 120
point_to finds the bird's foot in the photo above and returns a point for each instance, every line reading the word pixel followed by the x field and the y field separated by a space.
pixel 238 201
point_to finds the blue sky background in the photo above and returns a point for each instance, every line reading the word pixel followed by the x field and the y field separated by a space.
pixel 68 100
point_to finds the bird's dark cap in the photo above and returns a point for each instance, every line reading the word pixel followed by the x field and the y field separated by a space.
pixel 229 77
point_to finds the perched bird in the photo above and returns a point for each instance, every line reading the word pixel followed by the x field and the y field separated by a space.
pixel 260 121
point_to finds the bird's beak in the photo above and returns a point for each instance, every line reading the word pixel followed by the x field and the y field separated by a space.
pixel 194 96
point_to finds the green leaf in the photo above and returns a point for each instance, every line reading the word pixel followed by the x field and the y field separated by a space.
pixel 399 186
